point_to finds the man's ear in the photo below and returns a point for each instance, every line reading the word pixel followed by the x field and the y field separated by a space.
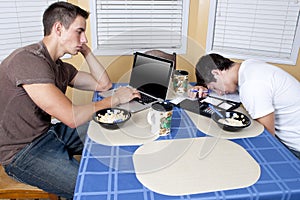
pixel 57 28
pixel 215 72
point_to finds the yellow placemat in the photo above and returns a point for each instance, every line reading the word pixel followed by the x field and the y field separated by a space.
pixel 209 127
pixel 136 131
pixel 177 167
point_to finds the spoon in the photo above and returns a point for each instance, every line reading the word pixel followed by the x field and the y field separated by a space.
pixel 218 112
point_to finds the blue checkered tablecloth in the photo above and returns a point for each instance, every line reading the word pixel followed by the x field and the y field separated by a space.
pixel 107 172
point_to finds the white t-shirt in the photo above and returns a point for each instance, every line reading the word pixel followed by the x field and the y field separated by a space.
pixel 264 89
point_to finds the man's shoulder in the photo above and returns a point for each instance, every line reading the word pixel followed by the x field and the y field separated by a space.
pixel 253 62
pixel 37 49
pixel 34 49
pixel 33 54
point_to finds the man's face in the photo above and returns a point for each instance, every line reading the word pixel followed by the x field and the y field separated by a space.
pixel 224 83
pixel 74 37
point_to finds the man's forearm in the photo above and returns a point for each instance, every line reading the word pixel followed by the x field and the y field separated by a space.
pixel 96 69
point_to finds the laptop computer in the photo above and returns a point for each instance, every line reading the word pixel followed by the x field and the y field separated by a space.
pixel 151 76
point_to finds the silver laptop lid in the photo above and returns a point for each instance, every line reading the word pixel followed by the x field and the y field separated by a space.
pixel 151 75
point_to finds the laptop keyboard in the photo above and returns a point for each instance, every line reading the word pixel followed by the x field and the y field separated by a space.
pixel 145 99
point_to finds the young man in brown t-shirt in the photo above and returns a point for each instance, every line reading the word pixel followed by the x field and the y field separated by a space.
pixel 33 82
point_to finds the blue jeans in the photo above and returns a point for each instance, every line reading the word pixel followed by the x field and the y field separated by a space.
pixel 48 161
pixel 296 153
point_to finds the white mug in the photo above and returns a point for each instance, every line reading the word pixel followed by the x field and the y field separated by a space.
pixel 159 117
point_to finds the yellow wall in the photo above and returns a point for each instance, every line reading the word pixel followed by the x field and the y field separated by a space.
pixel 118 66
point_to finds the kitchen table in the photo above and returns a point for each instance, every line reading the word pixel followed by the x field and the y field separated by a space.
pixel 107 172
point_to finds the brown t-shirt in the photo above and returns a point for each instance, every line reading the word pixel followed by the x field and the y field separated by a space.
pixel 21 120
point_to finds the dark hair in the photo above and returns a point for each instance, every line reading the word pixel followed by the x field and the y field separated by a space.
pixel 64 12
pixel 208 63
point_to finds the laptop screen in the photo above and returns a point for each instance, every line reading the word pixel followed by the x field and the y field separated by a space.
pixel 151 74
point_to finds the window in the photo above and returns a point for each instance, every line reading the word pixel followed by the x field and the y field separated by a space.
pixel 20 23
pixel 124 26
pixel 263 29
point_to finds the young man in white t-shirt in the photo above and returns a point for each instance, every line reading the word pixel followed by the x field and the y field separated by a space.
pixel 270 95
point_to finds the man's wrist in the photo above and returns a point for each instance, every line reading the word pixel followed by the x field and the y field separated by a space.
pixel 86 53
pixel 111 101
pixel 115 101
pixel 107 102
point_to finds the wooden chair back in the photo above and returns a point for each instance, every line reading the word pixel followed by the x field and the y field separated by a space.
pixel 11 189
pixel 162 54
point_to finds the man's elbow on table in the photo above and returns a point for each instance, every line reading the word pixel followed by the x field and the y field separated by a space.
pixel 103 87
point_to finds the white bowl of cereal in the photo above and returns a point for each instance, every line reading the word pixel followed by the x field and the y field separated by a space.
pixel 232 121
pixel 112 118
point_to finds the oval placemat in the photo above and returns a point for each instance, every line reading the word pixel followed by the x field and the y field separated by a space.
pixel 177 167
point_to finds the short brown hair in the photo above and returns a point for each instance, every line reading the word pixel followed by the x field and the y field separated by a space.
pixel 64 12
pixel 208 63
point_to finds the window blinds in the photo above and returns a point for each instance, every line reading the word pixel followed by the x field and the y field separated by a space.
pixel 264 29
pixel 128 25
pixel 20 23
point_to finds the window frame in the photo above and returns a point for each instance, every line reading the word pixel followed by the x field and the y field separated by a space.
pixel 210 39
pixel 23 26
pixel 129 51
